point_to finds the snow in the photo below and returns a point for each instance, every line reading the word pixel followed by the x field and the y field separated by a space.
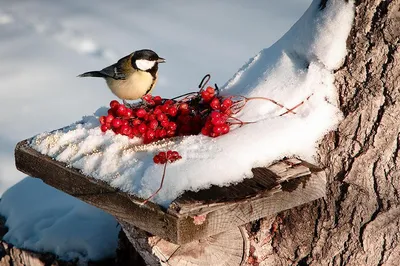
pixel 45 44
pixel 297 67
pixel 41 217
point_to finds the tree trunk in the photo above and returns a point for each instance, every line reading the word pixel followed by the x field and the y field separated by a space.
pixel 358 222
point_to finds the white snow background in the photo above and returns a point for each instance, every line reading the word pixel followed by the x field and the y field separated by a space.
pixel 45 44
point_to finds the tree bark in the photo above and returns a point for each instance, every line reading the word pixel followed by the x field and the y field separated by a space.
pixel 358 222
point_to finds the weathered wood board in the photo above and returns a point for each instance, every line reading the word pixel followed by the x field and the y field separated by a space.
pixel 280 186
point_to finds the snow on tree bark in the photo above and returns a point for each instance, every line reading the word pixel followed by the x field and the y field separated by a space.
pixel 358 222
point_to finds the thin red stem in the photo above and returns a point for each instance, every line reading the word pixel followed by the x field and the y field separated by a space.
pixel 162 182
pixel 240 122
pixel 296 106
pixel 273 101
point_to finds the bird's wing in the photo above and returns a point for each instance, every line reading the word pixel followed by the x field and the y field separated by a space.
pixel 113 71
pixel 119 69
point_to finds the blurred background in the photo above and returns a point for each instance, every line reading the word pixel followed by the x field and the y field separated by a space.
pixel 45 44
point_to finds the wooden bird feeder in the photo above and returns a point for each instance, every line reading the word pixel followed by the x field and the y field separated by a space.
pixel 204 227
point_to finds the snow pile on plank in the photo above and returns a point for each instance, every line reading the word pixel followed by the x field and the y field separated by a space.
pixel 299 65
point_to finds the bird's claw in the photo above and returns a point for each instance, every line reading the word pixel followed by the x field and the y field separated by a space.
pixel 128 105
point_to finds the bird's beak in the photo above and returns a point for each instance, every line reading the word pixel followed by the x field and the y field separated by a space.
pixel 160 60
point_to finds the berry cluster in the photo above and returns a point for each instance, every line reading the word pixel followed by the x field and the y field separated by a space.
pixel 156 118
pixel 164 157
pixel 150 121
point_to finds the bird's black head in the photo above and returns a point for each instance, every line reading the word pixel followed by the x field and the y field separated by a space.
pixel 145 60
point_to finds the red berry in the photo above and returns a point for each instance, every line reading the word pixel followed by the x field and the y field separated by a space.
pixel 169 154
pixel 102 120
pixel 126 130
pixel 171 133
pixel 156 159
pixel 161 117
pixel 136 122
pixel 206 96
pixel 217 129
pixel 215 114
pixel 169 102
pixel 172 126
pixel 184 108
pixel 141 112
pixel 227 103
pixel 157 110
pixel 147 97
pixel 157 100
pixel 116 123
pixel 163 157
pixel 225 129
pixel 213 134
pixel 109 118
pixel 124 123
pixel 165 123
pixel 162 133
pixel 116 130
pixel 114 104
pixel 217 121
pixel 128 113
pixel 150 134
pixel 153 124
pixel 228 111
pixel 215 104
pixel 111 112
pixel 142 128
pixel 121 111
pixel 164 108
pixel 173 111
pixel 104 127
pixel 210 90
pixel 205 131
pixel 135 131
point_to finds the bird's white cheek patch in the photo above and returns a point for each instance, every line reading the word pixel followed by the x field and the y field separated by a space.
pixel 144 65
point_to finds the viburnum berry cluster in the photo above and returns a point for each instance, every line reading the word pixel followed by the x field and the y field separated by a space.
pixel 163 158
pixel 204 111
pixel 156 118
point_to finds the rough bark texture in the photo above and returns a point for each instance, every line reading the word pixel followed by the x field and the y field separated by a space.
pixel 358 222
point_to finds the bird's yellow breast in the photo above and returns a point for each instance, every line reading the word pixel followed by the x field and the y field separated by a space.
pixel 132 88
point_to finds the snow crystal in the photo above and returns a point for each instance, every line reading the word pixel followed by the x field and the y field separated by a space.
pixel 297 67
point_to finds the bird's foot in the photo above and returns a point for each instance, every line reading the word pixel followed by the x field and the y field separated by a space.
pixel 131 105
pixel 128 105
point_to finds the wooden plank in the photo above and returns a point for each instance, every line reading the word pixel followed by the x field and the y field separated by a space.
pixel 233 214
pixel 97 193
pixel 283 185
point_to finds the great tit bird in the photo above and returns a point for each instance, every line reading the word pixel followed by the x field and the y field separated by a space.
pixel 133 76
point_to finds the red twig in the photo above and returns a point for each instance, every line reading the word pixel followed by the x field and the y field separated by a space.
pixel 273 101
pixel 239 122
pixel 155 193
pixel 246 99
pixel 296 106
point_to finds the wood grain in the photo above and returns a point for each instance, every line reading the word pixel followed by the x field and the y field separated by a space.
pixel 281 186
pixel 223 249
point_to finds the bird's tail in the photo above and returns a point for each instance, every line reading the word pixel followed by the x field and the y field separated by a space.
pixel 96 74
